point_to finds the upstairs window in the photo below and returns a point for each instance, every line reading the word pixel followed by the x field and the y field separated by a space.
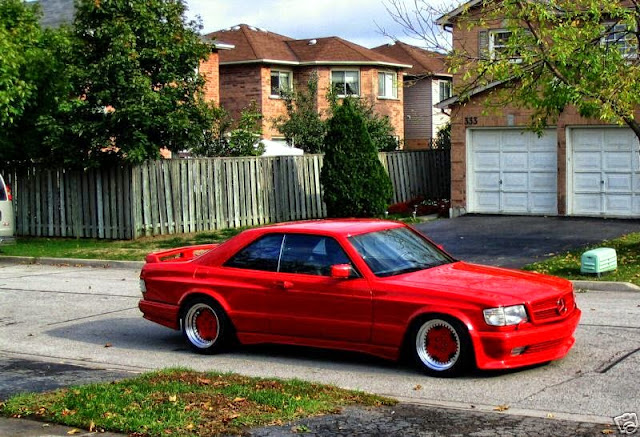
pixel 280 82
pixel 346 82
pixel 445 89
pixel 619 36
pixel 387 85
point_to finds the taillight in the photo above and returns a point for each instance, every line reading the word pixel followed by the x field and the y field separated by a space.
pixel 9 196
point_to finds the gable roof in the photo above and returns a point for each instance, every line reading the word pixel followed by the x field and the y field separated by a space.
pixel 446 19
pixel 256 45
pixel 425 62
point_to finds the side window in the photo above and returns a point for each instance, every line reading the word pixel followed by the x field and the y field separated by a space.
pixel 311 254
pixel 3 192
pixel 262 254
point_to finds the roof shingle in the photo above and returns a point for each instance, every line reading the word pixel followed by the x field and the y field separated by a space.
pixel 425 62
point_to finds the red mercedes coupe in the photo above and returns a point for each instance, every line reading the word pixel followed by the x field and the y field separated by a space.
pixel 373 286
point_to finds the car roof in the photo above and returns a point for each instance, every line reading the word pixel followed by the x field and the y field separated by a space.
pixel 344 227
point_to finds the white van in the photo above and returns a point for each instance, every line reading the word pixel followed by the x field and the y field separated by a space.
pixel 7 226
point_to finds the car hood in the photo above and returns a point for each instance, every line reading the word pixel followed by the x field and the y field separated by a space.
pixel 495 284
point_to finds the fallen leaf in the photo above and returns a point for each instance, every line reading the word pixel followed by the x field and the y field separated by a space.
pixel 417 387
pixel 550 416
pixel 108 345
pixel 92 426
pixel 239 399
pixel 74 431
pixel 203 381
pixel 608 431
pixel 173 398
pixel 501 408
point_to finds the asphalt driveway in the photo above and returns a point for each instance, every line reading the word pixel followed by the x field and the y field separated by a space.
pixel 514 241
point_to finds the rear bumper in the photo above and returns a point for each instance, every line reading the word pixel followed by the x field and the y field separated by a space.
pixel 161 313
pixel 541 344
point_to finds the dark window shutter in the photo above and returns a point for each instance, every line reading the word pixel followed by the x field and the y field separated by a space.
pixel 483 44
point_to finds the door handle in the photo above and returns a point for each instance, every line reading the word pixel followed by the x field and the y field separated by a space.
pixel 285 285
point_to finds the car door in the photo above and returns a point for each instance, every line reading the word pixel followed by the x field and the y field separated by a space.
pixel 245 281
pixel 307 302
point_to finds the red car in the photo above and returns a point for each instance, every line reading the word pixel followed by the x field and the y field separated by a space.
pixel 374 286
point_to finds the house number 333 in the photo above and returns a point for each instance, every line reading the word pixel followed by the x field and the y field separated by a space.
pixel 470 121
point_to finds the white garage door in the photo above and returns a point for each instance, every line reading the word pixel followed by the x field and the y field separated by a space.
pixel 512 172
pixel 605 179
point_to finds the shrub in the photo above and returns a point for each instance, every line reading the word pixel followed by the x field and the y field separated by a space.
pixel 354 182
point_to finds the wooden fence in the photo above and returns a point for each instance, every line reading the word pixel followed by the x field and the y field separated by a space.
pixel 189 195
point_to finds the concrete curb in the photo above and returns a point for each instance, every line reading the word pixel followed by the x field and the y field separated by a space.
pixel 34 428
pixel 605 286
pixel 73 262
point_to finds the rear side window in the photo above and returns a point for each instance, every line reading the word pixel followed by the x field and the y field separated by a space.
pixel 3 190
pixel 262 254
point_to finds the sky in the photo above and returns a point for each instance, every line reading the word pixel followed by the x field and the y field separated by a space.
pixel 358 21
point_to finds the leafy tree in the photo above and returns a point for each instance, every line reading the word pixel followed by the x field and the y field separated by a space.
pixel 224 140
pixel 33 78
pixel 354 182
pixel 303 126
pixel 560 53
pixel 136 83
pixel 443 137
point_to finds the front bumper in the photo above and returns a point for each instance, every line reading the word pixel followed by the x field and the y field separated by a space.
pixel 541 343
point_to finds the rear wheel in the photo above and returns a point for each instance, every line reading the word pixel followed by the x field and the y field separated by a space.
pixel 204 325
pixel 441 346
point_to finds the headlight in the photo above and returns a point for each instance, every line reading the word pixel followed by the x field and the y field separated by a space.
pixel 504 316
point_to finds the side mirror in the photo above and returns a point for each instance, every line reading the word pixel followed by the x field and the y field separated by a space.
pixel 341 271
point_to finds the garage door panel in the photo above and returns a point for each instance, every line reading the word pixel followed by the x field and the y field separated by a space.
pixel 588 204
pixel 617 161
pixel 542 161
pixel 544 203
pixel 483 161
pixel 636 205
pixel 484 141
pixel 515 202
pixel 587 182
pixel 515 182
pixel 617 139
pixel 543 182
pixel 487 180
pixel 488 201
pixel 584 161
pixel 618 204
pixel 514 140
pixel 584 140
pixel 618 182
pixel 515 161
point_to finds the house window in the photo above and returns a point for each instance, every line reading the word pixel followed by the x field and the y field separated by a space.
pixel 620 37
pixel 387 85
pixel 445 89
pixel 499 45
pixel 346 82
pixel 280 82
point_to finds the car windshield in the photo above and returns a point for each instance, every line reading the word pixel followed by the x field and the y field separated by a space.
pixel 396 251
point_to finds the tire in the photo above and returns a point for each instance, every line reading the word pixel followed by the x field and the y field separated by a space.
pixel 441 346
pixel 204 325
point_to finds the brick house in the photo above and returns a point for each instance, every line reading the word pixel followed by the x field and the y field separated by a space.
pixel 263 63
pixel 425 84
pixel 579 167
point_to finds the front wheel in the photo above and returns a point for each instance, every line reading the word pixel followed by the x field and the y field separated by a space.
pixel 441 347
pixel 204 325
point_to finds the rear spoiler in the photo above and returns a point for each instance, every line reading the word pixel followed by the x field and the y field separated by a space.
pixel 180 254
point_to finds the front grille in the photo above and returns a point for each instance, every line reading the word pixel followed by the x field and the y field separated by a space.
pixel 547 345
pixel 553 308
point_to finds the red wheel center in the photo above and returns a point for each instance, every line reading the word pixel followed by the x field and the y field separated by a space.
pixel 441 344
pixel 207 325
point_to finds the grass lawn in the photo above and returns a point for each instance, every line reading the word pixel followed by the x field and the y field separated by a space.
pixel 131 250
pixel 568 265
pixel 179 402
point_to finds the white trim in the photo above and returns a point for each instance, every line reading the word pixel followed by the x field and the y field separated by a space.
pixel 310 63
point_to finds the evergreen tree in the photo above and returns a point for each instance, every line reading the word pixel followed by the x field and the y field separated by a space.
pixel 354 182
